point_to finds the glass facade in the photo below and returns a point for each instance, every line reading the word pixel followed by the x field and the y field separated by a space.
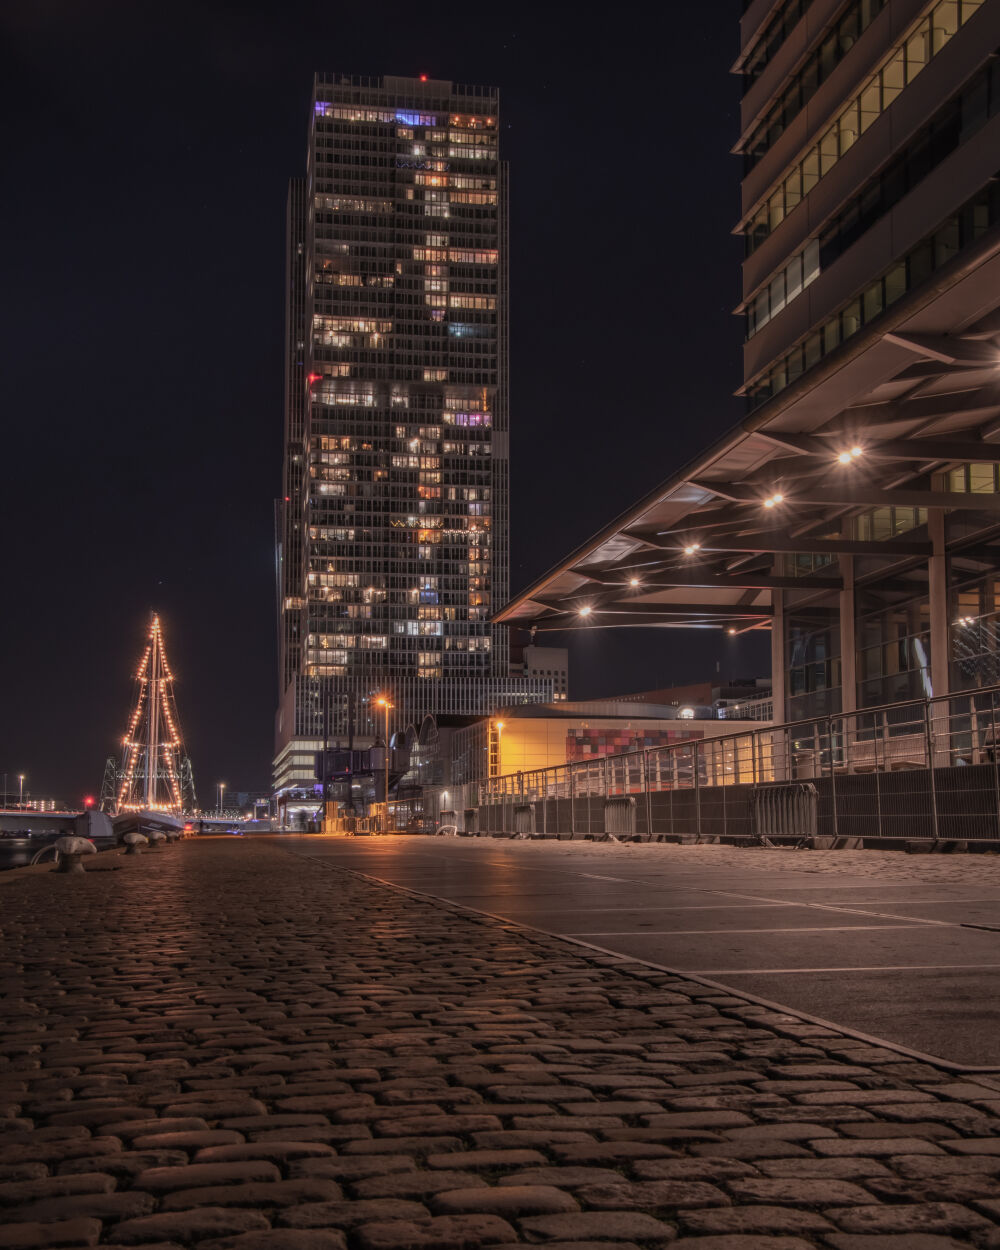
pixel 818 67
pixel 393 535
pixel 778 28
pixel 957 231
pixel 958 121
pixel 910 56
pixel 813 664
pixel 975 633
pixel 894 653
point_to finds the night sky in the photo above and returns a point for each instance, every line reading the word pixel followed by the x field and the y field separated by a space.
pixel 147 155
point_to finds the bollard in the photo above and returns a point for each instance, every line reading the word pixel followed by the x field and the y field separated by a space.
pixel 71 851
pixel 134 842
pixel 156 839
pixel 172 835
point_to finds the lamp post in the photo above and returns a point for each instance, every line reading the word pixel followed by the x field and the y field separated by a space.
pixel 20 789
pixel 383 702
pixel 221 788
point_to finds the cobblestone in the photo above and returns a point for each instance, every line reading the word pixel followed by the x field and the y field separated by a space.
pixel 918 1217
pixel 265 1054
pixel 645 1195
pixel 352 1214
pixel 447 1232
pixel 187 1226
pixel 601 1226
pixel 29 1236
pixel 280 1239
pixel 739 1241
pixel 511 1201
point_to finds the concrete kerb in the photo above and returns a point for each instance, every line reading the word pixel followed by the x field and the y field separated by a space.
pixel 907 1052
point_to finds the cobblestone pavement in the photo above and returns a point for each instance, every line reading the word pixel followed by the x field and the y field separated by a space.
pixel 228 1045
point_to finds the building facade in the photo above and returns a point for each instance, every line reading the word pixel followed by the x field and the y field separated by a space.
pixel 869 147
pixel 392 535
pixel 855 512
pixel 742 699
pixel 451 759
pixel 528 660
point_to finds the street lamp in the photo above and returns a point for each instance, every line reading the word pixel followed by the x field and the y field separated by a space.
pixel 221 788
pixel 20 789
pixel 383 702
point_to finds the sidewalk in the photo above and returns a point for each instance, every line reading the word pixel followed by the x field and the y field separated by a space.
pixel 228 1044
pixel 892 865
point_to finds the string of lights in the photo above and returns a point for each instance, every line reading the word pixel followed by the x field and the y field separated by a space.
pixel 152 774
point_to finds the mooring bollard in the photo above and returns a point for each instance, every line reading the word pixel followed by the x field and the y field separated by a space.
pixel 134 842
pixel 156 839
pixel 71 851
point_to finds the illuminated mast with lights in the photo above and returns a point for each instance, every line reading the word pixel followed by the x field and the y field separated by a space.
pixel 155 773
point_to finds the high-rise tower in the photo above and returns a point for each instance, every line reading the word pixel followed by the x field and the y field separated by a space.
pixel 392 535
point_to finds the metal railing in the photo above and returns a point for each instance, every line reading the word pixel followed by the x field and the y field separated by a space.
pixel 923 770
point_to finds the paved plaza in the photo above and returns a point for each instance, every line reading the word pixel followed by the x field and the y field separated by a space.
pixel 240 1044
pixel 864 939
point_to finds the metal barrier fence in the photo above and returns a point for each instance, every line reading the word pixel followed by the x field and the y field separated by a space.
pixel 356 824
pixel 921 770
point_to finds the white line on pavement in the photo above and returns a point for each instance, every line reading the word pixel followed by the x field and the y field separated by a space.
pixel 833 928
pixel 759 972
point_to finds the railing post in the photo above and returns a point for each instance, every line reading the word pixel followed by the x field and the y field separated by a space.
pixel 697 786
pixel 993 753
pixel 572 802
pixel 931 762
pixel 649 800
pixel 833 776
pixel 876 737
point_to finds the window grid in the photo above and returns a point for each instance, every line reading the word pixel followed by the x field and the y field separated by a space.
pixel 958 231
pixel 920 45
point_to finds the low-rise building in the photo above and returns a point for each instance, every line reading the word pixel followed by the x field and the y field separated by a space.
pixel 451 757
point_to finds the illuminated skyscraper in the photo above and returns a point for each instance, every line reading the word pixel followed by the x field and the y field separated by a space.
pixel 392 536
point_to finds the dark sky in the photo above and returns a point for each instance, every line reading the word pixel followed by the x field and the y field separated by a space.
pixel 146 157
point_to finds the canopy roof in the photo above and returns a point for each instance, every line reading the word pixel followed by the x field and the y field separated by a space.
pixel 915 392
